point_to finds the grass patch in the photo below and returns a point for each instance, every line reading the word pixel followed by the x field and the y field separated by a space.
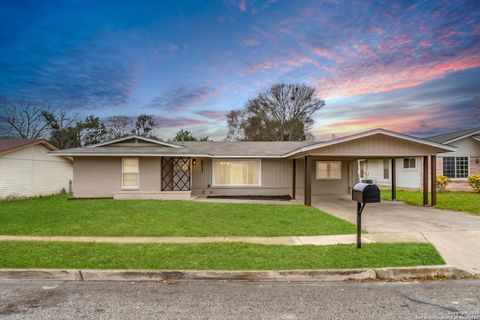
pixel 233 256
pixel 448 200
pixel 57 215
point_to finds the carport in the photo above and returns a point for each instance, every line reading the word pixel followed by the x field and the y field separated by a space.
pixel 331 168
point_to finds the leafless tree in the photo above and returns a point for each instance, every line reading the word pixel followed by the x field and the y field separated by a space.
pixel 283 113
pixel 119 126
pixel 23 119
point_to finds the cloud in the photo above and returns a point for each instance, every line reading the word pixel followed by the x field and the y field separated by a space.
pixel 242 5
pixel 181 98
pixel 433 107
pixel 250 42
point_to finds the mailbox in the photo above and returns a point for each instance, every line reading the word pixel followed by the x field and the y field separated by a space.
pixel 363 193
pixel 366 193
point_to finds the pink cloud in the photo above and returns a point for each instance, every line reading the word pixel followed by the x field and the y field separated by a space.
pixel 326 54
pixel 261 66
pixel 250 42
pixel 242 5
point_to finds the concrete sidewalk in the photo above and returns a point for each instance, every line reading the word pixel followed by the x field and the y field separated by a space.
pixel 288 240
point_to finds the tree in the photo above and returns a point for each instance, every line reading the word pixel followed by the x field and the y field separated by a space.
pixel 91 131
pixel 144 125
pixel 119 126
pixel 63 133
pixel 281 113
pixel 23 119
pixel 66 132
pixel 476 103
pixel 186 135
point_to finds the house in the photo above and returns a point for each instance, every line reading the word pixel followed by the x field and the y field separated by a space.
pixel 464 161
pixel 26 169
pixel 456 165
pixel 135 167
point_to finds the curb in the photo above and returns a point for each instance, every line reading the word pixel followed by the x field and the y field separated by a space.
pixel 383 274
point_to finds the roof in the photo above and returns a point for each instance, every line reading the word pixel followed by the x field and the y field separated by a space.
pixel 239 149
pixel 454 136
pixel 13 144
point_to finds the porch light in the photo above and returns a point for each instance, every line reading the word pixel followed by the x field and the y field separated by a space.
pixel 194 161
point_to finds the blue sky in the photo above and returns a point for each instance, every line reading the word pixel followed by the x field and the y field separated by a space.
pixel 408 66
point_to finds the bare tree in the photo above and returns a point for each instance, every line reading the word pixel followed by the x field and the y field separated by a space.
pixel 119 126
pixel 281 113
pixel 24 119
pixel 476 104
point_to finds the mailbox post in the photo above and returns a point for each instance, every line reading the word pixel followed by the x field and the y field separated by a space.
pixel 363 193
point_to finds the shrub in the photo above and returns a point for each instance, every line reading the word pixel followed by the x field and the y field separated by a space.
pixel 441 183
pixel 474 182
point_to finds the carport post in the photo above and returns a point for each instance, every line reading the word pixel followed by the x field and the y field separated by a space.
pixel 294 177
pixel 307 197
pixel 433 180
pixel 394 179
pixel 425 180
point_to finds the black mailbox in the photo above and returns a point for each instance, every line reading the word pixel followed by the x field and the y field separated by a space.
pixel 366 193
pixel 363 193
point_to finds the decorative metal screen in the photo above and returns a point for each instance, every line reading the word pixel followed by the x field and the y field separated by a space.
pixel 175 174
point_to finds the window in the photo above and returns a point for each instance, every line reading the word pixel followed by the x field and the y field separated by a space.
pixel 455 167
pixel 386 169
pixel 328 170
pixel 363 170
pixel 409 163
pixel 130 173
pixel 236 172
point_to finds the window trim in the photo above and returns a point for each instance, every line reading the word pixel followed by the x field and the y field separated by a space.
pixel 259 184
pixel 328 178
pixel 137 187
pixel 455 167
pixel 387 161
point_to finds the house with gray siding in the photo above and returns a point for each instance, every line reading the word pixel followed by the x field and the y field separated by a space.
pixel 136 167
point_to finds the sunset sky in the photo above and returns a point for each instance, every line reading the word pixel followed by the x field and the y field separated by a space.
pixel 408 66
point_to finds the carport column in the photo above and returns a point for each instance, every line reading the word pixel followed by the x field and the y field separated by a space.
pixel 308 182
pixel 394 179
pixel 425 180
pixel 294 177
pixel 433 180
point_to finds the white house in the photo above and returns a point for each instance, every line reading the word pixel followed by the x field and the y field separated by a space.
pixel 26 169
pixel 456 165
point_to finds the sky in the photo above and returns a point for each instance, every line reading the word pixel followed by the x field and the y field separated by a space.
pixel 408 66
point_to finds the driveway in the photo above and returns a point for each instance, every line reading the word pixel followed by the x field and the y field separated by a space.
pixel 456 235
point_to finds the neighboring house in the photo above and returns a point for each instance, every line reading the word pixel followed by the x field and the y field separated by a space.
pixel 141 168
pixel 26 169
pixel 456 165
pixel 464 161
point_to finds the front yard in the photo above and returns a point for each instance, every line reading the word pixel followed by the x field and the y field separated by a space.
pixel 449 200
pixel 218 256
pixel 56 215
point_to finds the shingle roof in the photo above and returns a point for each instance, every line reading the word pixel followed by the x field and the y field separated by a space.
pixel 446 137
pixel 238 149
pixel 11 144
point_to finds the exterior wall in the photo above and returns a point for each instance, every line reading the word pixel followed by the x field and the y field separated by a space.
pixel 406 178
pixel 467 147
pixel 32 172
pixel 101 177
pixel 328 186
pixel 276 180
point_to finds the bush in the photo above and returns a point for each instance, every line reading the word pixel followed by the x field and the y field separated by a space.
pixel 441 183
pixel 474 182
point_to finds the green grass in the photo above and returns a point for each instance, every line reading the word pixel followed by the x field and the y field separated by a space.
pixel 57 215
pixel 448 200
pixel 233 256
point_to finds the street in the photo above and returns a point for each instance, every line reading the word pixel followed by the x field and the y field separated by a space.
pixel 237 300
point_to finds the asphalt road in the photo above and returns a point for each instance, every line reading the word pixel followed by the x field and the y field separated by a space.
pixel 224 300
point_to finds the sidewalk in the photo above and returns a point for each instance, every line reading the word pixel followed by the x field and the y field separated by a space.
pixel 289 240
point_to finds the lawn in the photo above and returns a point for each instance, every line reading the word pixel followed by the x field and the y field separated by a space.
pixel 449 200
pixel 56 215
pixel 233 256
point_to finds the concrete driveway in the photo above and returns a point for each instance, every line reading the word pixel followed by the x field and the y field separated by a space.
pixel 456 235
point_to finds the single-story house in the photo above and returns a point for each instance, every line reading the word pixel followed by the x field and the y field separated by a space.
pixel 26 169
pixel 135 167
pixel 457 165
